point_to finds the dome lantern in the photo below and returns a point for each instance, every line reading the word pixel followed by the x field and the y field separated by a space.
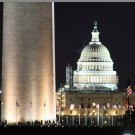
pixel 95 35
pixel 95 26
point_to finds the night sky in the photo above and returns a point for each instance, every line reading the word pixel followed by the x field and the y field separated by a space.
pixel 74 23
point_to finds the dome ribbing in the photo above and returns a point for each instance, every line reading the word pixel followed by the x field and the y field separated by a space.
pixel 95 53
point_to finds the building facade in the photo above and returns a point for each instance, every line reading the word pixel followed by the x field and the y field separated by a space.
pixel 28 63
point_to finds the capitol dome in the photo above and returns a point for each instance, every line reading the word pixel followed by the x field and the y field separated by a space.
pixel 95 52
pixel 95 67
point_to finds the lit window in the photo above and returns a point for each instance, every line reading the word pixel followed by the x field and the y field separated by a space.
pixel 94 105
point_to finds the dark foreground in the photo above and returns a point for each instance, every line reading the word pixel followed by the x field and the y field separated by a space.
pixel 59 130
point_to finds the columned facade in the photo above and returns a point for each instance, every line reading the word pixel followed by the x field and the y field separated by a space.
pixel 92 98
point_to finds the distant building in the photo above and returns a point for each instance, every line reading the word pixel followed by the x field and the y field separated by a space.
pixel 94 81
pixel 95 67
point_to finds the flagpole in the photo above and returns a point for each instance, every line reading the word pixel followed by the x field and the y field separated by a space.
pixel 112 115
pixel 73 118
pixel 128 93
pixel 30 113
pixel 119 113
pixel 44 113
pixel 102 113
pixel 98 117
pixel 59 112
pixel 91 119
pixel 91 114
pixel 86 117
pixel 67 114
pixel 119 110
pixel 16 112
pixel 109 114
pixel 79 116
pixel 97 114
pixel 45 109
pixel 128 115
pixel 122 110
pixel 30 110
pixel 2 111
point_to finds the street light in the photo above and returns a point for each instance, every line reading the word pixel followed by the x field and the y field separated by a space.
pixel 62 113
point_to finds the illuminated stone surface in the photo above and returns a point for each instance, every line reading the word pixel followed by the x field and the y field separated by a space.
pixel 95 67
pixel 28 61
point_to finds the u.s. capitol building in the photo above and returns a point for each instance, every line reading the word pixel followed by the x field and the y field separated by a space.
pixel 93 81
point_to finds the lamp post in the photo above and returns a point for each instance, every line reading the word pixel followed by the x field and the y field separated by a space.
pixel 67 114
